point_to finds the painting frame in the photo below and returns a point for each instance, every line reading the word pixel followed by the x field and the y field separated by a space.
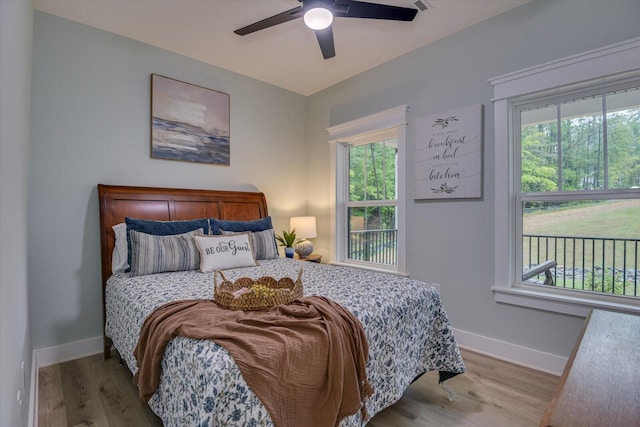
pixel 189 123
pixel 448 155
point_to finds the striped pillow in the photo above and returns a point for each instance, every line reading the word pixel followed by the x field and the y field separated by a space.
pixel 263 243
pixel 157 254
pixel 161 228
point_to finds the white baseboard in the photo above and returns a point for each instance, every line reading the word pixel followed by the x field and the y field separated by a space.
pixel 523 356
pixel 62 353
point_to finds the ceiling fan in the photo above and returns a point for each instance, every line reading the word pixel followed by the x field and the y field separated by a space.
pixel 318 15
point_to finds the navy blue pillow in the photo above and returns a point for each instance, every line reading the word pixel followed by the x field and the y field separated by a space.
pixel 162 228
pixel 237 226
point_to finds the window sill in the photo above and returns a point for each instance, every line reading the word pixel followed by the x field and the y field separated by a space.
pixel 562 301
pixel 370 268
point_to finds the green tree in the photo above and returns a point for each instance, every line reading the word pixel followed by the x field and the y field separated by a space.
pixel 539 173
pixel 584 150
pixel 623 130
pixel 372 176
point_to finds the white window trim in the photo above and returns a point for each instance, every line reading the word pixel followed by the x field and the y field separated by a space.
pixel 340 134
pixel 614 62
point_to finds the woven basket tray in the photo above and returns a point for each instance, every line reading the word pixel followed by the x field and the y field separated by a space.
pixel 271 292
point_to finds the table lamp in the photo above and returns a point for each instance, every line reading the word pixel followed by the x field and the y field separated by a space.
pixel 305 227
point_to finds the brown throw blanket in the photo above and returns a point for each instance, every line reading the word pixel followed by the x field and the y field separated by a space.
pixel 305 361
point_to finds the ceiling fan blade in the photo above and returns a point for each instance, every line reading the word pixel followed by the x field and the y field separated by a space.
pixel 325 39
pixel 360 9
pixel 280 18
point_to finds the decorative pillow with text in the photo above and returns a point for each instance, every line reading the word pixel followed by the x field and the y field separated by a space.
pixel 226 251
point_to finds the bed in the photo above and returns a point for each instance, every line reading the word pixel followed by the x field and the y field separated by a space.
pixel 406 325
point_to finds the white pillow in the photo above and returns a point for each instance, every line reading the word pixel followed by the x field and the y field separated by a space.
pixel 222 252
pixel 120 251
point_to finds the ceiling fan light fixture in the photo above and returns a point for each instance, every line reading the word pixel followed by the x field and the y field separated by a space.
pixel 318 18
pixel 318 15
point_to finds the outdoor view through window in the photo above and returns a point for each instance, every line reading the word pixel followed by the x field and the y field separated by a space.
pixel 579 198
pixel 372 204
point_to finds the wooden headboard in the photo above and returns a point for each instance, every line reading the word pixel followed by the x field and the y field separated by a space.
pixel 118 202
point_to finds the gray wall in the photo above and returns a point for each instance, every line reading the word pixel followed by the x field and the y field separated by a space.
pixel 451 242
pixel 90 125
pixel 16 26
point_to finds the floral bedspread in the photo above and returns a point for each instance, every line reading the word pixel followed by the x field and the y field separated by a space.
pixel 405 323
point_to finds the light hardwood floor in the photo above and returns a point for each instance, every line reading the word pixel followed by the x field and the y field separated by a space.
pixel 493 393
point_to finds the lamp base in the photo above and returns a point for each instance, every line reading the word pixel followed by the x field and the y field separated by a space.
pixel 304 249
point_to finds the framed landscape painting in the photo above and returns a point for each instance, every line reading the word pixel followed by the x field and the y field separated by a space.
pixel 189 122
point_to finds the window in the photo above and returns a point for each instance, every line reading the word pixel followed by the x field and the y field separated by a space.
pixel 368 220
pixel 578 156
pixel 371 203
pixel 567 183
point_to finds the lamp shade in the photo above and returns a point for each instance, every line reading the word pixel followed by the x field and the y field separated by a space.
pixel 305 226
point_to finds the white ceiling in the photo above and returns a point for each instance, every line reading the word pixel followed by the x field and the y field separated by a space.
pixel 286 55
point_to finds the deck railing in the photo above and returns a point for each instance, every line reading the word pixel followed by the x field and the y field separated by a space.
pixel 376 246
pixel 606 265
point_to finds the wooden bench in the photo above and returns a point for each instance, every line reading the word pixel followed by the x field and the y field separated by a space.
pixel 600 385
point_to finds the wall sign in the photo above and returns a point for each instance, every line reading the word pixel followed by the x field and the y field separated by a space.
pixel 447 155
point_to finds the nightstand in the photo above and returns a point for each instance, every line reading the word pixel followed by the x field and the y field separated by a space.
pixel 311 258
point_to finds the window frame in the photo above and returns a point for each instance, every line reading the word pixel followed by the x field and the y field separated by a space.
pixel 358 132
pixel 610 65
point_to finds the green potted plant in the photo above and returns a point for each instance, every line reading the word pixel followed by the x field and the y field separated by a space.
pixel 288 239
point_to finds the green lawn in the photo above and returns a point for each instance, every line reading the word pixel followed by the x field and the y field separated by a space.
pixel 614 220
